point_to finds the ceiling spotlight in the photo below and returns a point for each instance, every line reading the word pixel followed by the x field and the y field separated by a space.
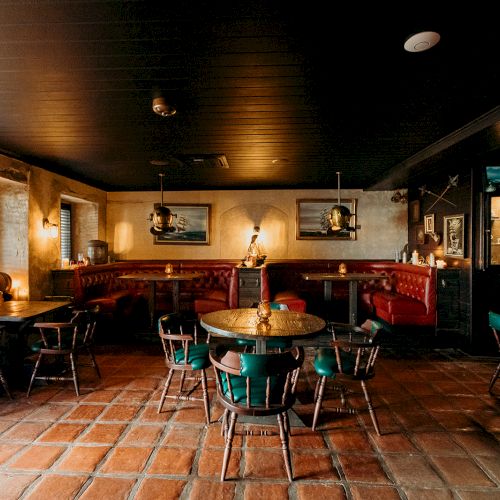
pixel 162 108
pixel 421 41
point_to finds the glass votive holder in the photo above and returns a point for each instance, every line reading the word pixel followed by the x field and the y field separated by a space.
pixel 264 311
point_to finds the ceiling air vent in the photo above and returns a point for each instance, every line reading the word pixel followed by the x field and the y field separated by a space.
pixel 204 160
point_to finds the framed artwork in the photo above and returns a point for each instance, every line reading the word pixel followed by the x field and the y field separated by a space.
pixel 420 234
pixel 191 225
pixel 414 211
pixel 454 235
pixel 429 223
pixel 315 221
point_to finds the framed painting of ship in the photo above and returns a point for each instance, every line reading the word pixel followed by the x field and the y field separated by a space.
pixel 190 225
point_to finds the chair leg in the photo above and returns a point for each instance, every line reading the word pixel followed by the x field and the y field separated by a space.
pixel 181 382
pixel 319 399
pixel 5 384
pixel 33 375
pixel 370 407
pixel 284 446
pixel 93 361
pixel 72 359
pixel 229 445
pixel 205 395
pixel 223 427
pixel 165 389
pixel 494 378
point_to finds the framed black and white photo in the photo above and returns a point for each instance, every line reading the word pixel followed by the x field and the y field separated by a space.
pixel 454 235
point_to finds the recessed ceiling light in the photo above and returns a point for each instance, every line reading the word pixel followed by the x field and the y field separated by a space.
pixel 421 41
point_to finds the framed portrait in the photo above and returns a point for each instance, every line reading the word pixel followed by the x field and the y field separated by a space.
pixel 414 211
pixel 420 234
pixel 454 236
pixel 316 221
pixel 429 223
pixel 191 225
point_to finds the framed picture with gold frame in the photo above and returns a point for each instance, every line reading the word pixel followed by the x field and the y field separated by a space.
pixel 429 223
pixel 314 220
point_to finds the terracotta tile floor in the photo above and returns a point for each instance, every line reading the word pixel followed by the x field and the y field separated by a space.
pixel 441 437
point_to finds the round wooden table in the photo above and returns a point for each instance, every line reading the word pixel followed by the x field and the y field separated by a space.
pixel 244 324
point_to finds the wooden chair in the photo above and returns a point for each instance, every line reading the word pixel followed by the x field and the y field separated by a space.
pixel 257 385
pixel 86 319
pixel 346 359
pixel 494 322
pixel 58 343
pixel 183 354
pixel 3 357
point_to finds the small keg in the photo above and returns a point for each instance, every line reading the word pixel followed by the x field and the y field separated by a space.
pixel 97 251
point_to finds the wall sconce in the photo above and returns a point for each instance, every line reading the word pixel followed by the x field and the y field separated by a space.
pixel 399 197
pixel 50 229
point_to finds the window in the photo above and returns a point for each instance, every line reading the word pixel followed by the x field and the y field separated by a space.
pixel 65 231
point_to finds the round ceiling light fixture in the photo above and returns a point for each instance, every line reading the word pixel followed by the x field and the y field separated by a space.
pixel 162 108
pixel 421 41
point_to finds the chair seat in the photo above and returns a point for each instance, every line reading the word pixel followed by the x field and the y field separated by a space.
pixel 197 356
pixel 325 362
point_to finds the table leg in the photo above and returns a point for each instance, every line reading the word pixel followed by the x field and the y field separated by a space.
pixel 353 302
pixel 327 294
pixel 175 296
pixel 152 302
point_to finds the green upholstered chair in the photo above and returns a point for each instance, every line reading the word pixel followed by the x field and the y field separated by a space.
pixel 494 321
pixel 256 385
pixel 184 355
pixel 57 342
pixel 346 359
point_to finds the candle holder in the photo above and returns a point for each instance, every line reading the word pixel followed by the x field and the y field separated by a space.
pixel 264 311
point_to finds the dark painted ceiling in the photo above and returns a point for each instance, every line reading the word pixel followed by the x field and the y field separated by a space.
pixel 288 94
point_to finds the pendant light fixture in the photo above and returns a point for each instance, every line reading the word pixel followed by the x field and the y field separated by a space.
pixel 162 217
pixel 339 216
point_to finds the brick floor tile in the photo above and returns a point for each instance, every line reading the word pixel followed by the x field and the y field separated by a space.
pixel 360 492
pixel 142 434
pixel 397 443
pixel 82 458
pixel 102 433
pixel 12 486
pixel 144 383
pixel 85 412
pixel 51 412
pixel 491 465
pixel 138 396
pixel 456 420
pixel 124 459
pixel 350 440
pixel 159 489
pixel 439 443
pixel 264 464
pixel 56 486
pixel 103 488
pixel 172 461
pixel 413 470
pixel 307 439
pixel 8 450
pixel 461 471
pixel 478 495
pixel 117 412
pixel 62 433
pixel 150 414
pixel 38 457
pixel 478 443
pixel 186 436
pixel 115 382
pixel 24 431
pixel 210 463
pixel 416 420
pixel 213 490
pixel 319 491
pixel 362 468
pixel 265 491
pixel 428 493
pixel 100 396
pixel 310 465
pixel 192 414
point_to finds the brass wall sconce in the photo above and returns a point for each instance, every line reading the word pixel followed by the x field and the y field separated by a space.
pixel 51 230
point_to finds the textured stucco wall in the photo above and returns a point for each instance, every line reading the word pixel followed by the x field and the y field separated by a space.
pixel 234 213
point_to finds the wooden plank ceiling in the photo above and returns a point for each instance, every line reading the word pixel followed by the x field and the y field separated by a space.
pixel 287 96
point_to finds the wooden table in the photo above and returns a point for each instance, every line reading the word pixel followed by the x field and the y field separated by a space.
pixel 21 311
pixel 352 279
pixel 244 324
pixel 153 278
